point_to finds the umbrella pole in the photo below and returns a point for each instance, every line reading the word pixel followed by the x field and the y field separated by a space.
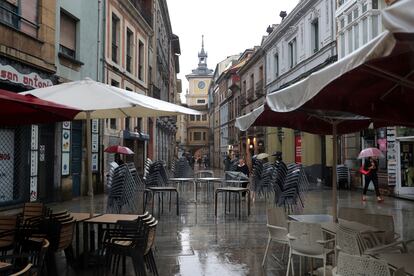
pixel 89 161
pixel 334 177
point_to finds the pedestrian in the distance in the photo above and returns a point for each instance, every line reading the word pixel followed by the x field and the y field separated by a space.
pixel 243 168
pixel 371 166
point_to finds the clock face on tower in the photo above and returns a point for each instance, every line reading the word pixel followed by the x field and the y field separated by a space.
pixel 201 84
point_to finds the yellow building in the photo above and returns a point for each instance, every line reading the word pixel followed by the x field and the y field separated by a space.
pixel 197 98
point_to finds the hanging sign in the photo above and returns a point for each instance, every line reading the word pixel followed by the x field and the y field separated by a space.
pixel 391 156
pixel 31 80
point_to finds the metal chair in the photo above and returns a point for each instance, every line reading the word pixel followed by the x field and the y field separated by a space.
pixel 350 265
pixel 306 239
pixel 277 227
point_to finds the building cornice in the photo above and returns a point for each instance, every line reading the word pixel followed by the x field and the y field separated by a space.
pixel 293 17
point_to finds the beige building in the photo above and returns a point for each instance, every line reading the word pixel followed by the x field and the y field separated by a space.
pixel 197 98
pixel 128 32
pixel 27 61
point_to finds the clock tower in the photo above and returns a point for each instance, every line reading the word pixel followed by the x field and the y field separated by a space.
pixel 197 98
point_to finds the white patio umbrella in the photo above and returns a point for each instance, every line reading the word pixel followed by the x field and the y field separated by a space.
pixel 100 101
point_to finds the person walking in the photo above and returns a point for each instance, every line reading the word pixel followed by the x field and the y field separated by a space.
pixel 371 167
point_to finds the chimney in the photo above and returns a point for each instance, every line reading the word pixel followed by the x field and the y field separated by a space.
pixel 269 29
pixel 283 14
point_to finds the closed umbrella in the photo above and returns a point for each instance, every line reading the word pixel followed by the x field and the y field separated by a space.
pixel 99 101
pixel 370 152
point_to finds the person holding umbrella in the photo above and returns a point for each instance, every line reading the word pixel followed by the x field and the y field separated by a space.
pixel 370 170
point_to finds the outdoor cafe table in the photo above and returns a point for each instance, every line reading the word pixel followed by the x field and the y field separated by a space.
pixel 330 227
pixel 105 219
pixel 208 180
pixel 396 261
pixel 181 181
pixel 80 217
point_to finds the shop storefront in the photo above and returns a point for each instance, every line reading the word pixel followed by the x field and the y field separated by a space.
pixel 27 153
pixel 404 147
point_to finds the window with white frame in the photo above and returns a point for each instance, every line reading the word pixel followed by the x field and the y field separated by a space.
pixel 292 53
pixel 129 50
pixel 356 36
pixel 315 35
pixel 276 64
pixel 374 26
pixel 350 40
pixel 115 38
pixel 342 41
pixel 364 30
pixel 141 63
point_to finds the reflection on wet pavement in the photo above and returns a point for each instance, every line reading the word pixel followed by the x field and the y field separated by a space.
pixel 198 243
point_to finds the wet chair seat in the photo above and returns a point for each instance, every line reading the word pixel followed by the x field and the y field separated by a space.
pixel 232 190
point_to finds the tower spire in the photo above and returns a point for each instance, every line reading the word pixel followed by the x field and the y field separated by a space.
pixel 202 56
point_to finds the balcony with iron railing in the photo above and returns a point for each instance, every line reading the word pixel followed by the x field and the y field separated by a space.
pixel 259 88
pixel 143 9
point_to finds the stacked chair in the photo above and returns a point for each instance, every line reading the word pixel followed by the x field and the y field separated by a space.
pixel 157 174
pixel 156 182
pixel 134 239
pixel 124 187
pixel 289 184
pixel 263 176
pixel 182 168
pixel 343 175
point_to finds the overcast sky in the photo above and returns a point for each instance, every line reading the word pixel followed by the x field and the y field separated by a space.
pixel 229 27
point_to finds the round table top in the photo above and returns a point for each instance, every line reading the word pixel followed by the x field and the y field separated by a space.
pixel 181 178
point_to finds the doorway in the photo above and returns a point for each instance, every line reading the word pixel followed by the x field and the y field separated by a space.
pixel 405 166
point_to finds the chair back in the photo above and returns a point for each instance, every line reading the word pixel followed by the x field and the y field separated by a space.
pixel 66 234
pixel 8 225
pixel 350 265
pixel 306 236
pixel 277 217
pixel 349 241
pixel 33 209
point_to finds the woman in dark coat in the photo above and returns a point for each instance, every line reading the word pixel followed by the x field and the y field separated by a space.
pixel 371 165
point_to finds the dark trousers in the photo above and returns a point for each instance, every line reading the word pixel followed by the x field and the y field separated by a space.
pixel 374 179
pixel 244 185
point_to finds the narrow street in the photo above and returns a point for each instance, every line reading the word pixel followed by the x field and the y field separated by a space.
pixel 196 243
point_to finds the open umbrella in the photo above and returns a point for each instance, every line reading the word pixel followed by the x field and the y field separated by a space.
pixel 370 152
pixel 17 109
pixel 118 149
pixel 376 81
pixel 99 101
pixel 262 156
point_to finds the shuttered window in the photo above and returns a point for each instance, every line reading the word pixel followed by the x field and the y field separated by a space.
pixel 67 35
